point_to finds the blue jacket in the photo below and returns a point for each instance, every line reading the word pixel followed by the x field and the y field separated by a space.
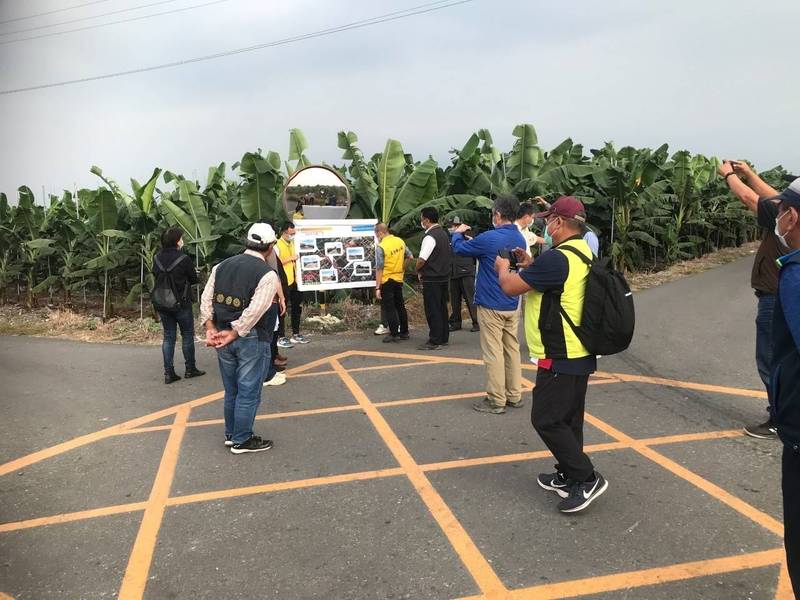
pixel 485 247
pixel 786 351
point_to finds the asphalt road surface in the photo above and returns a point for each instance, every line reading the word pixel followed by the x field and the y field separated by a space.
pixel 383 482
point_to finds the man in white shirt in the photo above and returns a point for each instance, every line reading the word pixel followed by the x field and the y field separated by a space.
pixel 433 270
pixel 238 312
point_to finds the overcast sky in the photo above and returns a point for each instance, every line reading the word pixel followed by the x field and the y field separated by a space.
pixel 712 77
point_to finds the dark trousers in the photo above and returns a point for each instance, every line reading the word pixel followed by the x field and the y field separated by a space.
pixel 296 301
pixel 462 287
pixel 394 307
pixel 559 401
pixel 766 307
pixel 434 298
pixel 791 514
pixel 171 321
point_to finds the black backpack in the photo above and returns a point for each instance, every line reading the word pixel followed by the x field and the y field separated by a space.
pixel 608 317
pixel 164 296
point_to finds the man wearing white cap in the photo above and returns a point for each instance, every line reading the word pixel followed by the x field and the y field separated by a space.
pixel 238 310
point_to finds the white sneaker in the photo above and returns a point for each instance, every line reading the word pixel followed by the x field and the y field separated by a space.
pixel 381 330
pixel 299 339
pixel 277 379
pixel 285 343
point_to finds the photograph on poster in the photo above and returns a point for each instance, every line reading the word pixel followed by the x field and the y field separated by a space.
pixel 309 263
pixel 328 276
pixel 355 254
pixel 307 245
pixel 362 269
pixel 334 248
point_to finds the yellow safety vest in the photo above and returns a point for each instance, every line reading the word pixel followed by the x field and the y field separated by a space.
pixel 546 330
pixel 394 258
pixel 287 249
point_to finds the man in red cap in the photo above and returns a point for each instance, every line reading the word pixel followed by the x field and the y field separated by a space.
pixel 555 284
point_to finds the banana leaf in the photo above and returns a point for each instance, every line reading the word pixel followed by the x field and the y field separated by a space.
pixel 390 170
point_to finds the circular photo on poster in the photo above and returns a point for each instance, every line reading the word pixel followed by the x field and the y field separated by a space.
pixel 316 192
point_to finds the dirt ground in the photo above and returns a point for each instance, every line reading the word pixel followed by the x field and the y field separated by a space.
pixel 85 324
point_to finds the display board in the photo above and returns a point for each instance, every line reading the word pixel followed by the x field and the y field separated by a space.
pixel 335 254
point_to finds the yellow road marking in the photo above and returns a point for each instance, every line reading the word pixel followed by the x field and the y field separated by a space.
pixel 80 515
pixel 784 590
pixel 644 577
pixel 713 490
pixel 282 486
pixel 135 579
pixel 477 565
pixel 357 476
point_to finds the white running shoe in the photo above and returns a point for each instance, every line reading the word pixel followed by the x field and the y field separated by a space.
pixel 381 330
pixel 299 339
pixel 277 379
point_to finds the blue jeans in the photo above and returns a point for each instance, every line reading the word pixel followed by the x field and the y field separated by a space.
pixel 766 306
pixel 242 365
pixel 170 321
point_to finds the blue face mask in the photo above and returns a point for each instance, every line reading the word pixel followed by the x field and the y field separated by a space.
pixel 548 239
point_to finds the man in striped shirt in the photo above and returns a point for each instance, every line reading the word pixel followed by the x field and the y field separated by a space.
pixel 239 312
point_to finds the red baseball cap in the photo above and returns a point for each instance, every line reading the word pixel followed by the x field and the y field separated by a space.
pixel 568 207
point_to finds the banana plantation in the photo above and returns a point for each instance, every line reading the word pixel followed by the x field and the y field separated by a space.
pixel 650 208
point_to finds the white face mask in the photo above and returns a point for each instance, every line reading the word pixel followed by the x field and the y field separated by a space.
pixel 781 237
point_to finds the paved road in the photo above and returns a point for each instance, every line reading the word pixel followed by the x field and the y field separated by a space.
pixel 380 488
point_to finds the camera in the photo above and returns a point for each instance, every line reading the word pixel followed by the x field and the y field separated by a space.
pixel 510 257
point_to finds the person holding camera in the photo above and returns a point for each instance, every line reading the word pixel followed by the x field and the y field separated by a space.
pixel 175 268
pixel 498 316
pixel 758 197
pixel 555 284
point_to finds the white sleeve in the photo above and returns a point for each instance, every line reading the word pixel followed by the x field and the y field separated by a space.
pixel 428 245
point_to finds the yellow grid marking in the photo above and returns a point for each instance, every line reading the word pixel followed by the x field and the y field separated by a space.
pixel 140 559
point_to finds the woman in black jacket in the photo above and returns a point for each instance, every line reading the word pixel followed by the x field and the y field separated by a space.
pixel 184 276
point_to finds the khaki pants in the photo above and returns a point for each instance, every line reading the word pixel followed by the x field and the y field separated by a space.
pixel 500 349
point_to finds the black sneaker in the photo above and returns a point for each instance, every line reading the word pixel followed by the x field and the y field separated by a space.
pixel 487 406
pixel 763 431
pixel 404 336
pixel 193 372
pixel 254 444
pixel 429 346
pixel 228 441
pixel 475 327
pixel 454 327
pixel 554 482
pixel 391 339
pixel 582 494
pixel 171 377
pixel 518 404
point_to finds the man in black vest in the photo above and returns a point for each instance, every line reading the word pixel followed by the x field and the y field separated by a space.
pixel 462 285
pixel 758 196
pixel 433 270
pixel 239 313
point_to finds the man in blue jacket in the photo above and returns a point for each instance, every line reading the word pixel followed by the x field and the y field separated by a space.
pixel 497 311
pixel 785 376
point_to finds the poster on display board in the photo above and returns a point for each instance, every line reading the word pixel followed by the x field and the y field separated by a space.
pixel 335 254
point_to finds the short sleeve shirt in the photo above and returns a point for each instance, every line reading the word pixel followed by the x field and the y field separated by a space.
pixel 547 273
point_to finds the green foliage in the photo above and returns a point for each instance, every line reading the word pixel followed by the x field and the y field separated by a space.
pixel 649 208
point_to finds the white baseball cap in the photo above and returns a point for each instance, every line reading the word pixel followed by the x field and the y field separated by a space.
pixel 261 233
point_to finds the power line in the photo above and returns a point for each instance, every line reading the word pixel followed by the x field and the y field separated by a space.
pixel 410 12
pixel 51 12
pixel 106 14
pixel 99 25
